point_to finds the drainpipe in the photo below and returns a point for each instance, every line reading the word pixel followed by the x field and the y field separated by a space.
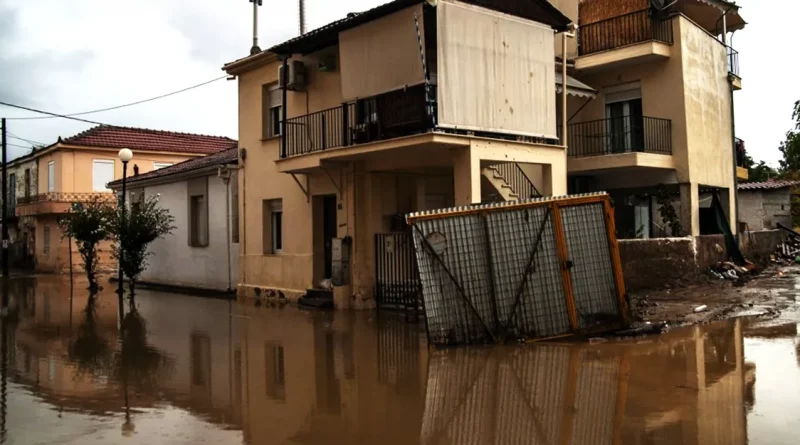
pixel 563 90
pixel 226 178
pixel 735 188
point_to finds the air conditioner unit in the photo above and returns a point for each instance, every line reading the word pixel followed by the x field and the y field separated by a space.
pixel 296 78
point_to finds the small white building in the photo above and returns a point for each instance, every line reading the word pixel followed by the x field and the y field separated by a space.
pixel 202 195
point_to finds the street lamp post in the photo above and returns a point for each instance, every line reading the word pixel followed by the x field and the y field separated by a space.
pixel 125 155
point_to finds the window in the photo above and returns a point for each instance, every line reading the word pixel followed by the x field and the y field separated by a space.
pixel 102 174
pixel 160 165
pixel 51 176
pixel 46 246
pixel 272 219
pixel 276 372
pixel 12 193
pixel 198 212
pixel 27 182
pixel 272 110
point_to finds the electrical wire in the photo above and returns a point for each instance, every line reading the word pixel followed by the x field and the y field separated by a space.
pixel 14 136
pixel 121 106
pixel 18 146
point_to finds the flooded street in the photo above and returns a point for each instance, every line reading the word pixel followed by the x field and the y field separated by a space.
pixel 197 370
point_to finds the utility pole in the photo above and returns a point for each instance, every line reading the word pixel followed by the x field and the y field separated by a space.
pixel 5 221
pixel 255 49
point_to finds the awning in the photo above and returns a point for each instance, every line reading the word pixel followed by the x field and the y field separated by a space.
pixel 575 87
pixel 708 14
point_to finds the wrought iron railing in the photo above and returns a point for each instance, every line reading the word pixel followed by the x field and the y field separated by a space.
pixel 519 181
pixel 67 197
pixel 635 27
pixel 741 153
pixel 733 62
pixel 386 116
pixel 625 134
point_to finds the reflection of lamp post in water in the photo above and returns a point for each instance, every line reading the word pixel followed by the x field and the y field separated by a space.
pixel 125 155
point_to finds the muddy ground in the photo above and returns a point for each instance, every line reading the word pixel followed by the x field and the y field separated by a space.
pixel 770 295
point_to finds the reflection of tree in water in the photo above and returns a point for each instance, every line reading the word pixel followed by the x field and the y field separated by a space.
pixel 138 363
pixel 90 351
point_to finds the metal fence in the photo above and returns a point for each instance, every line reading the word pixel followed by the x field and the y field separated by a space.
pixel 733 62
pixel 626 134
pixel 397 283
pixel 627 29
pixel 389 115
pixel 525 270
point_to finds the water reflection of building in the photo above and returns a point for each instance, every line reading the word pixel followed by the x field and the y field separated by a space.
pixel 318 379
pixel 684 387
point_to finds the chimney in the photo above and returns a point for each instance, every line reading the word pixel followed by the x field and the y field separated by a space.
pixel 302 5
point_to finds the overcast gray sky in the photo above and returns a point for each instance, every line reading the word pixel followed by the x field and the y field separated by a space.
pixel 78 55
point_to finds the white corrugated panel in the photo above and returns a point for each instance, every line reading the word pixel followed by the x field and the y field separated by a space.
pixel 496 72
pixel 382 55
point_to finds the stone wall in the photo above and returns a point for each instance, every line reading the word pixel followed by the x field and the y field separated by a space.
pixel 655 263
pixel 665 262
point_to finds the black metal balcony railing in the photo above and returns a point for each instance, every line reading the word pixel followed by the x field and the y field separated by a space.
pixel 390 115
pixel 635 27
pixel 733 62
pixel 741 153
pixel 627 134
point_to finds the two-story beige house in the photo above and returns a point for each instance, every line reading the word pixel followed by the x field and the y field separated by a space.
pixel 412 105
pixel 79 168
pixel 662 121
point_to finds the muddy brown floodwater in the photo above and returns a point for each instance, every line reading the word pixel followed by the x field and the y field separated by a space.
pixel 193 370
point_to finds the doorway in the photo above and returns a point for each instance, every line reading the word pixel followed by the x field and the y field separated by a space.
pixel 329 231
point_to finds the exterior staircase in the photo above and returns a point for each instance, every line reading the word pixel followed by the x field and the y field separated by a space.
pixel 507 182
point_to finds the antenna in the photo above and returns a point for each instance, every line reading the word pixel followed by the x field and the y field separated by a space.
pixel 302 5
pixel 255 48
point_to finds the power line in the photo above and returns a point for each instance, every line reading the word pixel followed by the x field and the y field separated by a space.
pixel 18 146
pixel 123 105
pixel 52 114
pixel 30 141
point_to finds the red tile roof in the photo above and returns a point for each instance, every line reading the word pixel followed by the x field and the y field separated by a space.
pixel 769 185
pixel 230 156
pixel 143 139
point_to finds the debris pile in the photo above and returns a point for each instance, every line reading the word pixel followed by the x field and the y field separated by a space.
pixel 729 271
pixel 787 252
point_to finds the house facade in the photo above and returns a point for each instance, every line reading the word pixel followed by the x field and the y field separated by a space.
pixel 764 205
pixel 662 121
pixel 202 195
pixel 376 118
pixel 78 169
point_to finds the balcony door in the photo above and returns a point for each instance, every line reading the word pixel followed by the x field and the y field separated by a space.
pixel 624 119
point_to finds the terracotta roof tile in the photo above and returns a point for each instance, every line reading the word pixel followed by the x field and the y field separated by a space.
pixel 230 156
pixel 769 185
pixel 143 139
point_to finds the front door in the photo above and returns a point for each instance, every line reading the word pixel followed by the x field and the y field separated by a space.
pixel 329 229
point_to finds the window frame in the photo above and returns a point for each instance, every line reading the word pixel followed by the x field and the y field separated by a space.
pixel 51 176
pixel 272 113
pixel 160 165
pixel 106 162
pixel 46 247
pixel 198 227
pixel 272 226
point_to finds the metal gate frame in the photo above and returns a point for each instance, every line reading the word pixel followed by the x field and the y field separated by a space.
pixel 554 206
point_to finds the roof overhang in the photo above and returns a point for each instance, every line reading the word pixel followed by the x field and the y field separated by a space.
pixel 250 62
pixel 538 10
pixel 133 183
pixel 708 14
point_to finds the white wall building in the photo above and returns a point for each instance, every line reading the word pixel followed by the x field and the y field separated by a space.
pixel 202 195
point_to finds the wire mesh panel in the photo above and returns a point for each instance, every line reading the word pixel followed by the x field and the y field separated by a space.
pixel 535 269
pixel 592 275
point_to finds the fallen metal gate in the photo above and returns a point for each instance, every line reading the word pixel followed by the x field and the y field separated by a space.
pixel 397 283
pixel 523 270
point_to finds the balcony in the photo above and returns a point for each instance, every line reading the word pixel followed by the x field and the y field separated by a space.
pixel 386 116
pixel 637 35
pixel 733 69
pixel 742 172
pixel 628 141
pixel 57 202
